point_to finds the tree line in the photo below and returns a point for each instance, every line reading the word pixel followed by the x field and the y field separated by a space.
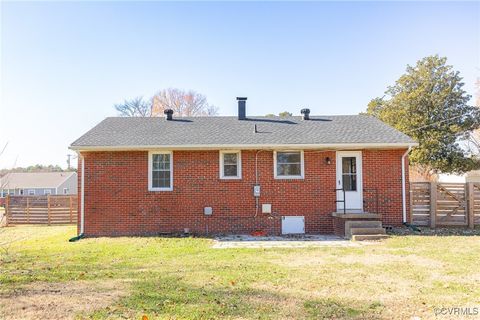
pixel 34 168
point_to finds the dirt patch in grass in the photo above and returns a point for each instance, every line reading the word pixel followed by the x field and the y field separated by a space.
pixel 283 306
pixel 60 300
pixel 376 259
pixel 370 259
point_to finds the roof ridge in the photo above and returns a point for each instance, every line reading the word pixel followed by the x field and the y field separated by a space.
pixel 250 116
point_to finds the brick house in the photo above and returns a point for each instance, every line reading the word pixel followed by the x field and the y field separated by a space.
pixel 219 175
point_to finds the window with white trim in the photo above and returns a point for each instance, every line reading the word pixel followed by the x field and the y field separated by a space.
pixel 160 171
pixel 47 191
pixel 288 164
pixel 31 192
pixel 65 190
pixel 20 192
pixel 230 165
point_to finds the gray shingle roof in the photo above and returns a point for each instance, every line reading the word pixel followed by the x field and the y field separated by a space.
pixel 222 131
pixel 26 180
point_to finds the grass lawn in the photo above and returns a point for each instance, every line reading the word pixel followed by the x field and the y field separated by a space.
pixel 167 278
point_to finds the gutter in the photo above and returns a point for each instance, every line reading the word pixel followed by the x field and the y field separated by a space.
pixel 82 203
pixel 404 182
pixel 336 146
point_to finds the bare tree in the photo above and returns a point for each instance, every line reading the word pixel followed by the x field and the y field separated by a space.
pixel 136 107
pixel 3 184
pixel 473 138
pixel 477 93
pixel 476 133
pixel 183 103
pixel 6 241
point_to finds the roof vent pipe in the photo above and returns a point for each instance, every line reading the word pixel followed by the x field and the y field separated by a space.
pixel 306 113
pixel 168 113
pixel 242 113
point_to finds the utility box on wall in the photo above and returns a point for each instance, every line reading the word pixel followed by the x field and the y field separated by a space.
pixel 256 191
pixel 266 208
pixel 293 225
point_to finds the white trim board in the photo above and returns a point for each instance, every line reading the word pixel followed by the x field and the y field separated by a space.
pixel 328 146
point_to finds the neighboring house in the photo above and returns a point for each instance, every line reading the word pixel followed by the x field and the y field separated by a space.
pixel 211 175
pixel 38 183
pixel 470 176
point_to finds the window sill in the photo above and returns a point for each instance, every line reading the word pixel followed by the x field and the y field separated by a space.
pixel 160 189
pixel 230 178
pixel 289 177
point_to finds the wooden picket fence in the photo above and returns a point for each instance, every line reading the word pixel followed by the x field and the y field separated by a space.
pixel 50 209
pixel 445 204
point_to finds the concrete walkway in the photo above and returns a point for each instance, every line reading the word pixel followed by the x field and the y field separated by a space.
pixel 304 241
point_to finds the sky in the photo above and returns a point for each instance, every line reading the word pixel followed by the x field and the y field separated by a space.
pixel 63 65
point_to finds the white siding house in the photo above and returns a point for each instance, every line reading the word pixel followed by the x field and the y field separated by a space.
pixel 38 184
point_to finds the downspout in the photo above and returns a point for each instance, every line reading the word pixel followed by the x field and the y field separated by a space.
pixel 404 182
pixel 82 197
pixel 82 202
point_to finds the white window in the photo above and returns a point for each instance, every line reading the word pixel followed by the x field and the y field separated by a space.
pixel 230 165
pixel 65 190
pixel 47 191
pixel 31 192
pixel 288 164
pixel 20 192
pixel 160 171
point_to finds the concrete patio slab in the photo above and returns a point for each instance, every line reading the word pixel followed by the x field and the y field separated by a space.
pixel 297 241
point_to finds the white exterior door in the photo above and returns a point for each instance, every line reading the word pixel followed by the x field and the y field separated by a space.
pixel 349 178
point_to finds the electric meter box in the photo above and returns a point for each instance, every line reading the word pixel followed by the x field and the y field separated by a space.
pixel 256 191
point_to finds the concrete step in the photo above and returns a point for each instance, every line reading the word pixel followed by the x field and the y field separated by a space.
pixel 365 224
pixel 360 224
pixel 369 237
pixel 364 231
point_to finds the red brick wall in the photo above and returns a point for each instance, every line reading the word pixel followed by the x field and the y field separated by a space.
pixel 117 200
pixel 382 184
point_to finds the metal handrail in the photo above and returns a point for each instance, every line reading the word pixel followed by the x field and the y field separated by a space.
pixel 344 202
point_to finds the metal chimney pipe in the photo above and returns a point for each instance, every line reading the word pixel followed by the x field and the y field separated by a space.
pixel 242 112
pixel 306 113
pixel 168 113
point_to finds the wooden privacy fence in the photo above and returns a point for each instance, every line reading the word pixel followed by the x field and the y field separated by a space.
pixel 445 204
pixel 41 209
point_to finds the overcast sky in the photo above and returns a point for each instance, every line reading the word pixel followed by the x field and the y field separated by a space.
pixel 65 64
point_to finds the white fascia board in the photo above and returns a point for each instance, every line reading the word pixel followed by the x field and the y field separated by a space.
pixel 336 146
